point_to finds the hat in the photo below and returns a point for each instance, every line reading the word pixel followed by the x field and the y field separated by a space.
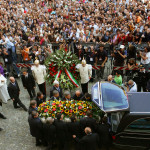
pixel 55 82
pixel 84 62
pixel 36 62
pixel 122 46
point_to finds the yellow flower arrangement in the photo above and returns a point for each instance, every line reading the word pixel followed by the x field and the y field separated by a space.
pixel 85 109
pixel 49 112
pixel 72 105
pixel 42 108
pixel 53 115
pixel 54 106
pixel 78 104
pixel 80 113
pixel 57 102
pixel 67 111
pixel 70 114
pixel 84 105
pixel 61 108
pixel 48 107
pixel 67 105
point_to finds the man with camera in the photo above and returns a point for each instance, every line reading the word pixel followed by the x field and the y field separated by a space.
pixel 119 55
pixel 131 86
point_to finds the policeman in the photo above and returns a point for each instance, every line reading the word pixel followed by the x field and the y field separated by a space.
pixel 141 79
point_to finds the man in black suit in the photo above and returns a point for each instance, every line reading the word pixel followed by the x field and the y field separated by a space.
pixel 28 83
pixel 67 96
pixel 61 132
pixel 55 95
pixel 40 98
pixel 88 122
pixel 14 91
pixel 56 87
pixel 89 142
pixel 36 127
pixel 78 95
pixel 104 134
pixel 32 107
pixel 49 132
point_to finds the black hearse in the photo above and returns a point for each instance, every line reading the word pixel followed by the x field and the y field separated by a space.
pixel 128 114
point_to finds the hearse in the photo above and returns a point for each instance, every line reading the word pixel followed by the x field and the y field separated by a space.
pixel 128 114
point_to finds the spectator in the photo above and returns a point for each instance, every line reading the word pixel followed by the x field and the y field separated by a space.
pixel 67 96
pixel 101 59
pixel 110 79
pixel 55 95
pixel 118 78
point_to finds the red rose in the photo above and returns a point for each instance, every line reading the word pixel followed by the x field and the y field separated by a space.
pixel 54 109
pixel 53 103
pixel 46 110
pixel 80 107
pixel 70 110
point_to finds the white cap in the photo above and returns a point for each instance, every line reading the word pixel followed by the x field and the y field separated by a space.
pixel 84 62
pixel 55 82
pixel 36 62
pixel 122 46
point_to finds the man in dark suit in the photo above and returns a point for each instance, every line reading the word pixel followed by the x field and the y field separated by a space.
pixel 88 122
pixel 40 98
pixel 36 127
pixel 78 95
pixel 104 134
pixel 56 87
pixel 55 95
pixel 28 83
pixel 32 107
pixel 67 96
pixel 14 91
pixel 49 132
pixel 89 142
pixel 61 132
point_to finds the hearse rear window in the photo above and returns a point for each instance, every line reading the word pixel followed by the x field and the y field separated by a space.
pixel 141 125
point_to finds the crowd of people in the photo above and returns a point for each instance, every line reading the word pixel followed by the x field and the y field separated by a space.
pixel 96 31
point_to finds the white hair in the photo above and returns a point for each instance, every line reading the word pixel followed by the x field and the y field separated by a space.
pixel 55 82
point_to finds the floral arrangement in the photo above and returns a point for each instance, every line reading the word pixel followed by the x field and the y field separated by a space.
pixel 61 67
pixel 68 108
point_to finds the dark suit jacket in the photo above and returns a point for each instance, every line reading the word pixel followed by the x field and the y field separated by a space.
pixel 13 90
pixel 49 132
pixel 88 122
pixel 39 101
pixel 36 127
pixel 28 82
pixel 31 109
pixel 89 142
pixel 54 88
pixel 77 98
pixel 61 130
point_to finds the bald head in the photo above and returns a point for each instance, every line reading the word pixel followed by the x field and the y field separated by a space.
pixel 130 82
pixel 12 79
pixel 78 93
pixel 110 78
pixel 87 130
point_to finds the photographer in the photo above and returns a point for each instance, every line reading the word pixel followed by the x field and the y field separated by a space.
pixel 120 56
pixel 145 58
pixel 131 86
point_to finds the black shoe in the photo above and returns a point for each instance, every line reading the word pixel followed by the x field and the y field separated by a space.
pixel 17 107
pixel 26 109
pixel 2 116
pixel 1 129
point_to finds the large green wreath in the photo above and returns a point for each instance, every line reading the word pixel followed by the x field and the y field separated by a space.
pixel 61 66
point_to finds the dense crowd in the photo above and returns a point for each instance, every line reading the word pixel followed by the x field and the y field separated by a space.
pixel 96 31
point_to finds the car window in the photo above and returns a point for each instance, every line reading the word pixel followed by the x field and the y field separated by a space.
pixel 140 125
pixel 113 97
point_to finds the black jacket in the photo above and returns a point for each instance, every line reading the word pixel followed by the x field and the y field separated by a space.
pixel 89 142
pixel 36 127
pixel 54 88
pixel 31 109
pixel 39 101
pixel 53 98
pixel 28 82
pixel 88 122
pixel 61 130
pixel 49 132
pixel 13 90
pixel 148 86
pixel 77 98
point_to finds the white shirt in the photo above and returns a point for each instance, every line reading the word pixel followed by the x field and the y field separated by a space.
pixel 147 61
pixel 133 88
pixel 39 73
pixel 85 72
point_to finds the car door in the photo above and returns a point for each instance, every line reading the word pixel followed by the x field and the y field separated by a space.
pixel 136 134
